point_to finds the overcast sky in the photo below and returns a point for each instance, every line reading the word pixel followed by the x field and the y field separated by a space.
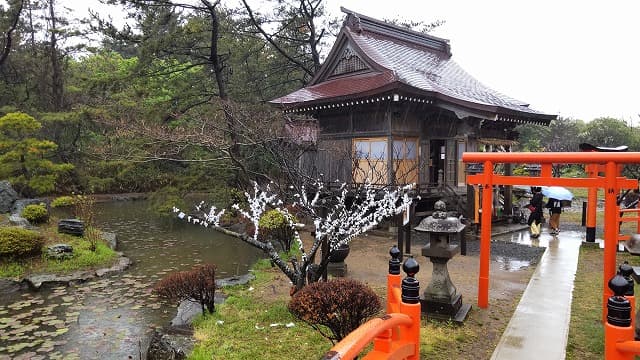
pixel 578 59
pixel 572 58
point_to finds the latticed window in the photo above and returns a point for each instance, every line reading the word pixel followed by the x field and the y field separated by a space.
pixel 349 62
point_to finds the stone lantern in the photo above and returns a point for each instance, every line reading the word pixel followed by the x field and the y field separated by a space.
pixel 441 299
pixel 533 169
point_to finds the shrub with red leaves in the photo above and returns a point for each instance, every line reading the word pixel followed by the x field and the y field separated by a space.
pixel 198 285
pixel 341 305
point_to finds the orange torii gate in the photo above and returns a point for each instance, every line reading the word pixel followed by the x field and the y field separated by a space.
pixel 610 182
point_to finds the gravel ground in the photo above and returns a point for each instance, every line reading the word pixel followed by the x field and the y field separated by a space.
pixel 500 249
pixel 504 249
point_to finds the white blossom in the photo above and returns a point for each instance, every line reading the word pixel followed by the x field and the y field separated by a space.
pixel 338 217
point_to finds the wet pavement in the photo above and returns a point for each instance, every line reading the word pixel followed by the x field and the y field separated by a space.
pixel 540 324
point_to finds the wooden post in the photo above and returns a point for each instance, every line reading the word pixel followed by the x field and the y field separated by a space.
pixel 324 247
pixel 485 235
pixel 407 238
pixel 400 235
pixel 610 233
pixel 508 198
pixel 325 252
pixel 592 204
pixel 476 204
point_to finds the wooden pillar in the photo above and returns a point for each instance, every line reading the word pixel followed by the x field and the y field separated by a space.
pixel 592 205
pixel 400 236
pixel 508 199
pixel 610 233
pixel 485 235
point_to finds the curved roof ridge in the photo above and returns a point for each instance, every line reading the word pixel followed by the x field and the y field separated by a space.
pixel 359 22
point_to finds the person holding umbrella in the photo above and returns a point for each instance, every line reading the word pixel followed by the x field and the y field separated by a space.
pixel 535 206
pixel 556 195
pixel 555 209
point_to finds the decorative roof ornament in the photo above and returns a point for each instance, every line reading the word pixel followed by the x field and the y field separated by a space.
pixel 357 25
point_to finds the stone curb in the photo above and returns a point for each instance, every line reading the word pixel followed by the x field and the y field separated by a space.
pixel 38 281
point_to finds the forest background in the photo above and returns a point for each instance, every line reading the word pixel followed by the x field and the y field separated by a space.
pixel 175 101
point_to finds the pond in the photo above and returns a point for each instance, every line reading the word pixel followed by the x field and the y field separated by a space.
pixel 113 317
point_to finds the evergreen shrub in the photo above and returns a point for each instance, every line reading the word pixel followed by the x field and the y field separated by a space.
pixel 341 305
pixel 63 201
pixel 36 213
pixel 273 225
pixel 17 242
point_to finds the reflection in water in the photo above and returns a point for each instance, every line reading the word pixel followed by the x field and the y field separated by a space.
pixel 511 264
pixel 514 263
pixel 111 318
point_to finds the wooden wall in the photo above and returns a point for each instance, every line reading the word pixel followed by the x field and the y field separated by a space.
pixel 396 119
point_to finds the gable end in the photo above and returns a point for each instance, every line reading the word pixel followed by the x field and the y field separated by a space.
pixel 348 62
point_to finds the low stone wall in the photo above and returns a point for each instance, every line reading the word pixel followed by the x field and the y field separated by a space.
pixel 38 281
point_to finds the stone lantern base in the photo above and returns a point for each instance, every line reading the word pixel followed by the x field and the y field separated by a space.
pixel 453 310
pixel 337 269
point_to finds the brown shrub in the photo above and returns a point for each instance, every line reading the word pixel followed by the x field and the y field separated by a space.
pixel 198 285
pixel 340 305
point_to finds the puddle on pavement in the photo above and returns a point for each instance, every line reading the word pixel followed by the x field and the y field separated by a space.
pixel 510 264
pixel 515 263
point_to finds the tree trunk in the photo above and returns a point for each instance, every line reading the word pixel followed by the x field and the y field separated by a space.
pixel 218 70
pixel 8 37
pixel 57 82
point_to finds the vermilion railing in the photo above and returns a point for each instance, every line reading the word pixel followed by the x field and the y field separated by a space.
pixel 396 335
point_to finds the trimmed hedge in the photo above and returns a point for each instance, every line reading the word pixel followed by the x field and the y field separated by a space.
pixel 341 305
pixel 63 201
pixel 274 226
pixel 36 214
pixel 17 242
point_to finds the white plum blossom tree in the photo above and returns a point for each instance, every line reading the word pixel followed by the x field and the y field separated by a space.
pixel 338 216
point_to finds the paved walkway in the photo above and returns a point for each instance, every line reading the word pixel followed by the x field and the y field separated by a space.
pixel 540 324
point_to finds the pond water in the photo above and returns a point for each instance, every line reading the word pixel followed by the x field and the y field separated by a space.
pixel 112 317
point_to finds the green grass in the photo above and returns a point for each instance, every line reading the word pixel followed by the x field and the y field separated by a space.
pixel 586 332
pixel 12 269
pixel 241 326
pixel 83 257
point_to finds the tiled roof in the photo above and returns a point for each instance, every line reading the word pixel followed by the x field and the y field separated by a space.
pixel 340 87
pixel 433 72
pixel 405 59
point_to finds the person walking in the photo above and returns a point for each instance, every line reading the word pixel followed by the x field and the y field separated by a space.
pixel 555 209
pixel 535 206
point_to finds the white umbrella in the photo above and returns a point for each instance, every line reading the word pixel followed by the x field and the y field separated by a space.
pixel 557 192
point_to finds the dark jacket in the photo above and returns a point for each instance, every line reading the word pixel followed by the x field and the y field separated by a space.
pixel 538 204
pixel 554 205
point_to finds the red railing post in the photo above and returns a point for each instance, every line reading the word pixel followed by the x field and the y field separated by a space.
pixel 410 306
pixel 397 334
pixel 618 330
